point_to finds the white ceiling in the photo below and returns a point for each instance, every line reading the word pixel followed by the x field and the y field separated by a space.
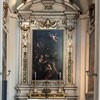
pixel 82 4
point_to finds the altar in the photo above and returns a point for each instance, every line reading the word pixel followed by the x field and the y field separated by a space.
pixel 47 64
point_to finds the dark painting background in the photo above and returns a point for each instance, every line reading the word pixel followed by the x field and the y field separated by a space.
pixel 47 54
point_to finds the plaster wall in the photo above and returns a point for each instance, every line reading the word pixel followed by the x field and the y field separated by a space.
pixel 1 13
pixel 11 57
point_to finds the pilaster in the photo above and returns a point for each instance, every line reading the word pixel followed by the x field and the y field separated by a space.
pixel 97 51
pixel 70 27
pixel 1 16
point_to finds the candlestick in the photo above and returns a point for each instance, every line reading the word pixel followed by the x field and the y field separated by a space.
pixel 35 75
pixel 59 75
pixel 35 79
pixel 59 83
pixel 35 89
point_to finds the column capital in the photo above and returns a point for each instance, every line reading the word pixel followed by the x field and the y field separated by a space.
pixel 70 22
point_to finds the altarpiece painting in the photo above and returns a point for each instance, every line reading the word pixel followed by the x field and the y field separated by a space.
pixel 47 55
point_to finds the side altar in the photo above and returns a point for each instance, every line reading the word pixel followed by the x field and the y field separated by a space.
pixel 47 59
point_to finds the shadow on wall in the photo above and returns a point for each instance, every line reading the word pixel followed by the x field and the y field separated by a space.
pixel 89 97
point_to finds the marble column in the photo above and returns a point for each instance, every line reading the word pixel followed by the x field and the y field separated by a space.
pixel 78 51
pixel 1 16
pixel 97 51
pixel 83 56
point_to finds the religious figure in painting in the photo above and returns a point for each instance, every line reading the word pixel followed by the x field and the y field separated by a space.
pixel 50 71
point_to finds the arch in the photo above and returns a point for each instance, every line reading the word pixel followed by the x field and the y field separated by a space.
pixel 64 4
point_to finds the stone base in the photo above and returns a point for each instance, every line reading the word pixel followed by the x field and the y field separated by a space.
pixel 25 92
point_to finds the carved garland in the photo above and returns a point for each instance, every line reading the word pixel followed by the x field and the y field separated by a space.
pixel 46 23
pixel 70 25
pixel 25 29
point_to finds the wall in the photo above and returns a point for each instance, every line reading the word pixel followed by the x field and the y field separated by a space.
pixel 11 56
pixel 1 13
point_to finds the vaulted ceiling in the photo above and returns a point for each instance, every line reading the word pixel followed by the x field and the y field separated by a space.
pixel 82 4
